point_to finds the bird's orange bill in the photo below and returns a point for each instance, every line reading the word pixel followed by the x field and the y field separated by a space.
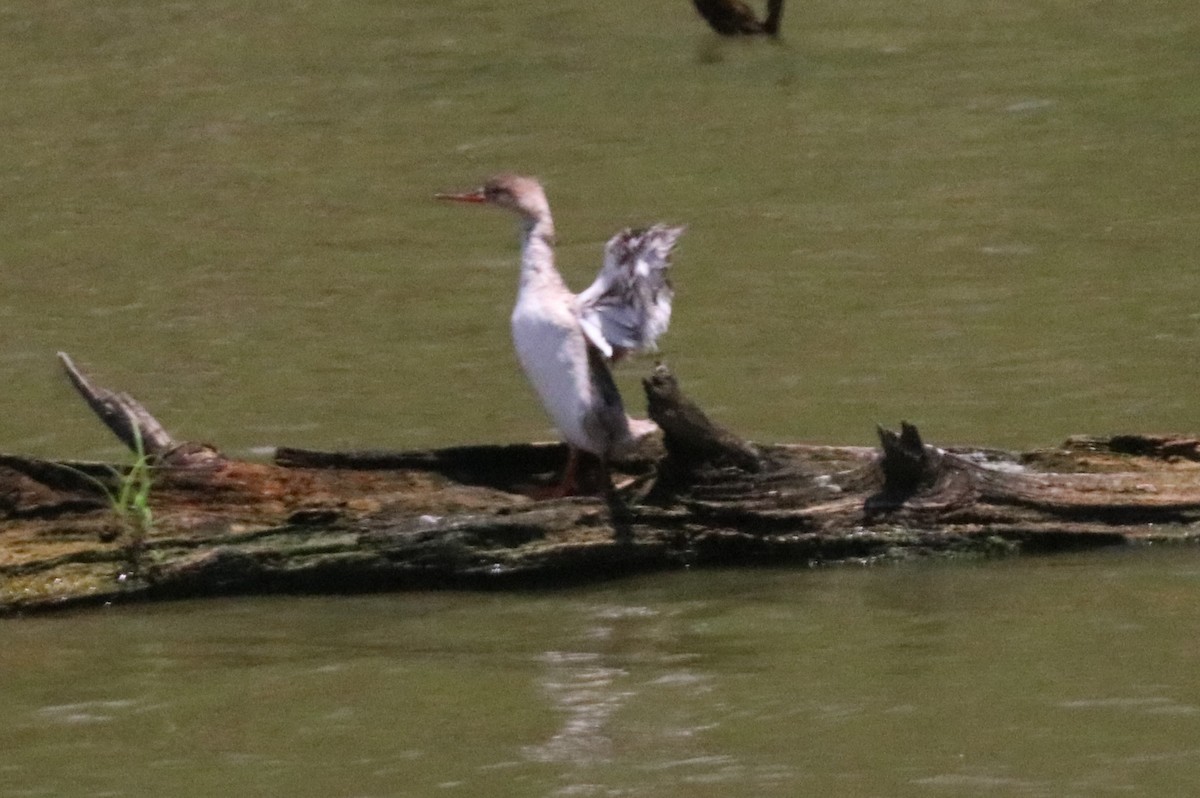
pixel 470 196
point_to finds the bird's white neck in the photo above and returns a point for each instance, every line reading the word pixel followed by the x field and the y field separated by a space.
pixel 537 253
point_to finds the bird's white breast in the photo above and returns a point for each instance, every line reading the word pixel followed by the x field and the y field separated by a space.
pixel 553 354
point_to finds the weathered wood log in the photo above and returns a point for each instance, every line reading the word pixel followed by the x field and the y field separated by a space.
pixel 464 516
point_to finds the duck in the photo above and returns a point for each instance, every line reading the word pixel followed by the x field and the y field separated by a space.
pixel 566 342
pixel 735 18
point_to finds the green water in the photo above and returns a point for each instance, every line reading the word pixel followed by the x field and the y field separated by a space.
pixel 1062 677
pixel 981 217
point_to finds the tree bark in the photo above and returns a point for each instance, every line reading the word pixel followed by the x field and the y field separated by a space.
pixel 466 517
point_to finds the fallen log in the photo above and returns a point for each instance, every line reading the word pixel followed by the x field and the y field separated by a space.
pixel 465 516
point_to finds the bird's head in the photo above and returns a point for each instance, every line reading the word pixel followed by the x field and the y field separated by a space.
pixel 520 194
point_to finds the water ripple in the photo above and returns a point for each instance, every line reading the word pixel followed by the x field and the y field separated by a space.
pixel 1157 705
pixel 85 712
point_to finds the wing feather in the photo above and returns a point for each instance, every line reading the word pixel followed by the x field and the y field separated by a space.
pixel 628 307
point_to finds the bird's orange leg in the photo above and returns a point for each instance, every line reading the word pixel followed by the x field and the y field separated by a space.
pixel 570 479
pixel 568 485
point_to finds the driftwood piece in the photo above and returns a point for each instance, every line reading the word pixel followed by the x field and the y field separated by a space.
pixel 464 516
pixel 133 425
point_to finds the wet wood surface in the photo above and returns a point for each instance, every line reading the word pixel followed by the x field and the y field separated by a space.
pixel 469 517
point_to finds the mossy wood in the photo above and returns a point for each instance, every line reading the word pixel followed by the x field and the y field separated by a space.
pixel 464 516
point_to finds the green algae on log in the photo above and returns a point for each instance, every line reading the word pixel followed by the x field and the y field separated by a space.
pixel 465 516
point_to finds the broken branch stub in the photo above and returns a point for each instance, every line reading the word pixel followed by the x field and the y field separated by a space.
pixel 693 441
pixel 907 464
pixel 133 424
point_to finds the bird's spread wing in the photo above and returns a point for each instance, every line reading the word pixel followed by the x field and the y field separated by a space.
pixel 629 305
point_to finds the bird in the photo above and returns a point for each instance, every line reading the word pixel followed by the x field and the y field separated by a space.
pixel 735 18
pixel 565 342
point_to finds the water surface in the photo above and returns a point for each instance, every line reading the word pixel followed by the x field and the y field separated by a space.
pixel 979 218
pixel 1072 676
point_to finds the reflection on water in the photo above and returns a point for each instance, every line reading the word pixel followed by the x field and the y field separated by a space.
pixel 587 695
pixel 1068 676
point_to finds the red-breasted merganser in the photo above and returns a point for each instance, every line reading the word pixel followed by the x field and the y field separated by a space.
pixel 565 341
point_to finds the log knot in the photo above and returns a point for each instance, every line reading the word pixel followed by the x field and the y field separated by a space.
pixel 908 465
pixel 692 441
